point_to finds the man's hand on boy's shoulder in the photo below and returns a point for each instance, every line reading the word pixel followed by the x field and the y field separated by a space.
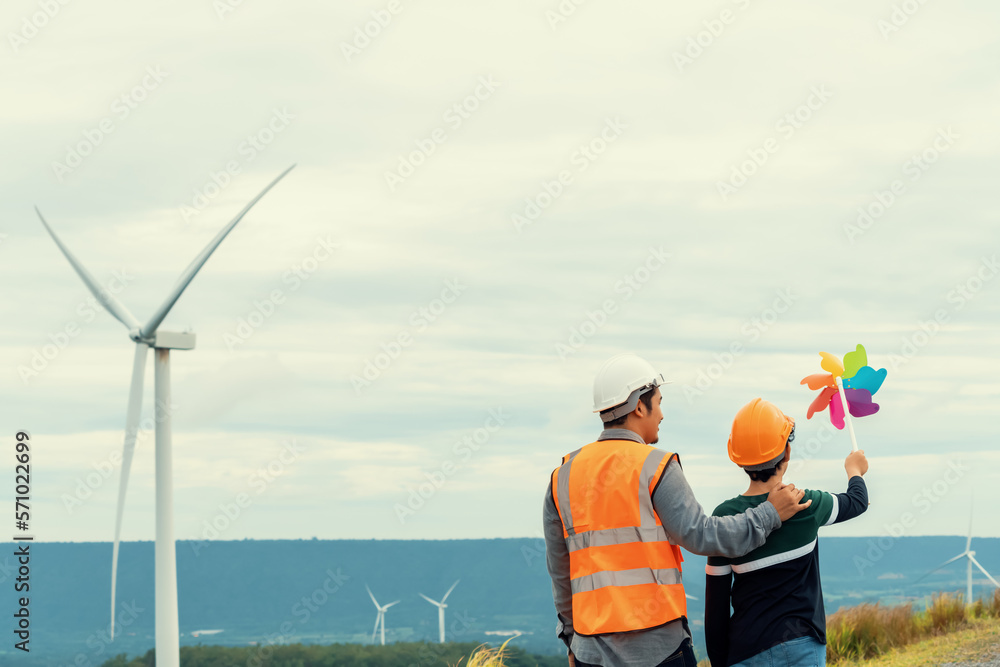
pixel 856 464
pixel 785 499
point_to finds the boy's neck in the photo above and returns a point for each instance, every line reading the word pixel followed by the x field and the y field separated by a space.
pixel 762 488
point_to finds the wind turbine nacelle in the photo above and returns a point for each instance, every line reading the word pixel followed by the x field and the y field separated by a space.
pixel 173 340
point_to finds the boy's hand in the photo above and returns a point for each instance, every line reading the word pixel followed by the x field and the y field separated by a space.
pixel 856 464
pixel 785 499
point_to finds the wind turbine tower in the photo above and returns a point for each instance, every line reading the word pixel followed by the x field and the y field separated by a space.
pixel 441 607
pixel 971 555
pixel 380 617
pixel 147 336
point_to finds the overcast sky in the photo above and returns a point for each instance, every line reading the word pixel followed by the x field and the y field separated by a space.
pixel 496 197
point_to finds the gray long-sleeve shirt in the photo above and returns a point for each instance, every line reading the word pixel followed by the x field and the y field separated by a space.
pixel 686 524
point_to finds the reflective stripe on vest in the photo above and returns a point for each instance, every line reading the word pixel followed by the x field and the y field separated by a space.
pixel 642 575
pixel 624 573
pixel 563 489
pixel 609 536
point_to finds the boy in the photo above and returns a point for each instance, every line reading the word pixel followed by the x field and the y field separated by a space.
pixel 775 592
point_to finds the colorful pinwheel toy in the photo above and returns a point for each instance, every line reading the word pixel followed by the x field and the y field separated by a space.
pixel 847 387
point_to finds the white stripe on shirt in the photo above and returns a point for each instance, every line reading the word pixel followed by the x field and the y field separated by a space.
pixel 833 512
pixel 767 561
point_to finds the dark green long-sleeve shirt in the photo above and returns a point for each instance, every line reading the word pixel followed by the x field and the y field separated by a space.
pixel 775 589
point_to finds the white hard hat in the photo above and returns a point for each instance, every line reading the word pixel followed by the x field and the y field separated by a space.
pixel 620 381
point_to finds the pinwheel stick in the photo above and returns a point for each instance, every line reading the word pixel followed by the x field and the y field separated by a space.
pixel 847 414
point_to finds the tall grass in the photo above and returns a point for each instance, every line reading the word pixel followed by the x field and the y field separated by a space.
pixel 946 612
pixel 484 656
pixel 870 630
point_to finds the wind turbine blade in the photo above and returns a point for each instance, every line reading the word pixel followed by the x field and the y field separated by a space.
pixel 450 590
pixel 131 431
pixel 690 597
pixel 983 570
pixel 947 562
pixel 110 303
pixel 434 602
pixel 209 249
pixel 390 604
pixel 372 596
pixel 378 618
pixel 192 269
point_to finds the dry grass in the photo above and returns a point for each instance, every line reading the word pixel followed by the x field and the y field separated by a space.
pixel 484 656
pixel 871 630
pixel 868 630
pixel 976 645
pixel 946 612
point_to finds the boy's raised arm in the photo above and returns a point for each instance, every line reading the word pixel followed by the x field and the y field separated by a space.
pixel 854 502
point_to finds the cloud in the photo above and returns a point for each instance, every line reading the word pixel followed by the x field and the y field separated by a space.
pixel 378 303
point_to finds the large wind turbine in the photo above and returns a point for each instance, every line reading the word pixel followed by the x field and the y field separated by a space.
pixel 380 617
pixel 441 606
pixel 147 336
pixel 971 555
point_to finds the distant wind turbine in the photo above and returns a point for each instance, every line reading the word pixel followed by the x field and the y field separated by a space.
pixel 441 607
pixel 145 337
pixel 971 555
pixel 380 617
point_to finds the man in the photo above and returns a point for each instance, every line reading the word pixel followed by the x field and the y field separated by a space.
pixel 778 617
pixel 615 516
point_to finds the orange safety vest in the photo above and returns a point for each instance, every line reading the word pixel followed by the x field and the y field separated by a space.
pixel 624 573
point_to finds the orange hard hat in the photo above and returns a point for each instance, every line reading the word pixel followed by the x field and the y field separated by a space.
pixel 759 435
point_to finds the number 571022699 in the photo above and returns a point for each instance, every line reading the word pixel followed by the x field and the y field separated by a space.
pixel 22 480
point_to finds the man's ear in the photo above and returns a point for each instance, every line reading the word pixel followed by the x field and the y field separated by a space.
pixel 641 410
